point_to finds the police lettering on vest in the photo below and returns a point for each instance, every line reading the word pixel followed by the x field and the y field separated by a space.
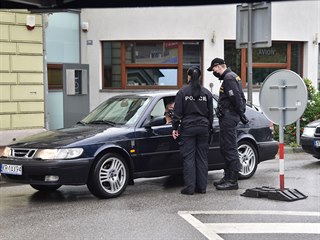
pixel 191 98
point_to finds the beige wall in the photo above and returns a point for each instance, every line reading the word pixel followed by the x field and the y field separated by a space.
pixel 21 75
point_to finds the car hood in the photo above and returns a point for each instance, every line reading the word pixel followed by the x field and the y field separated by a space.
pixel 314 123
pixel 71 137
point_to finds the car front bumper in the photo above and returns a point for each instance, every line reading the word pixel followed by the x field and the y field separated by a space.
pixel 309 145
pixel 69 172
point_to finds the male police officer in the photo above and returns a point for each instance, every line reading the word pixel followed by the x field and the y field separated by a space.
pixel 230 110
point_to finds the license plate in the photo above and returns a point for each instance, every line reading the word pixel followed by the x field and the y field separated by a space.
pixel 11 169
pixel 317 143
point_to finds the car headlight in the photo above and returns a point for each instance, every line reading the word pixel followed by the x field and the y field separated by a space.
pixel 309 131
pixel 5 152
pixel 64 153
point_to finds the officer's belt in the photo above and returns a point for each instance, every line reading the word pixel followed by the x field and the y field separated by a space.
pixel 228 110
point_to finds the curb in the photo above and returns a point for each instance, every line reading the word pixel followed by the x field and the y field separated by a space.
pixel 293 150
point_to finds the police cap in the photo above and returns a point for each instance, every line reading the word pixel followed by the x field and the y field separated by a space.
pixel 215 62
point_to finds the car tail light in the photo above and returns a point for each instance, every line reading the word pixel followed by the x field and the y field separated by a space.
pixel 271 126
pixel 317 133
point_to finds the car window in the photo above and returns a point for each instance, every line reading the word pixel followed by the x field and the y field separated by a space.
pixel 159 109
pixel 136 110
pixel 119 110
pixel 215 105
pixel 162 104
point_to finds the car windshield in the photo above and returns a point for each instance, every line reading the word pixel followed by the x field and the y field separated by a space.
pixel 118 111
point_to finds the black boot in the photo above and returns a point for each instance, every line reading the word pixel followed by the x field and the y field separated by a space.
pixel 230 183
pixel 186 191
pixel 222 180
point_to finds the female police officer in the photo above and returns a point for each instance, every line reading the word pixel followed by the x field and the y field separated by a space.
pixel 192 122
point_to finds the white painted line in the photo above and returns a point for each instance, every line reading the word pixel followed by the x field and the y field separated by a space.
pixel 307 228
pixel 211 230
pixel 200 226
pixel 252 212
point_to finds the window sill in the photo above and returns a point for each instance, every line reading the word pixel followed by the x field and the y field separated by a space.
pixel 254 89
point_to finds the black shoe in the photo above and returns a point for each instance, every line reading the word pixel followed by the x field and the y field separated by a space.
pixel 228 186
pixel 221 181
pixel 231 183
pixel 202 191
pixel 185 191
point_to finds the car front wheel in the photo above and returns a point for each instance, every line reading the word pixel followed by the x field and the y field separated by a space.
pixel 248 159
pixel 109 177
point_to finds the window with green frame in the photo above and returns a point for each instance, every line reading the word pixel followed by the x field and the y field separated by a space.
pixel 148 64
pixel 281 55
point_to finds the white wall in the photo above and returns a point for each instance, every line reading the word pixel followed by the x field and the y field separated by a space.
pixel 291 21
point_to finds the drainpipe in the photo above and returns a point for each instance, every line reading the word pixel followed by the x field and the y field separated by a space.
pixel 45 70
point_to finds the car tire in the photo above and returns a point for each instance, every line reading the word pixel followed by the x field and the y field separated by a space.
pixel 109 177
pixel 45 188
pixel 248 158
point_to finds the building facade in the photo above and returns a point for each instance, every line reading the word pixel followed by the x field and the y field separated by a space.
pixel 125 45
pixel 22 91
pixel 136 49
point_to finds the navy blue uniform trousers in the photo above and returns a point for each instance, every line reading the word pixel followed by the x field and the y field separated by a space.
pixel 228 140
pixel 194 151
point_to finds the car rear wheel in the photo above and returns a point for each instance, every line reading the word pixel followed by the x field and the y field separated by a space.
pixel 248 158
pixel 45 188
pixel 109 177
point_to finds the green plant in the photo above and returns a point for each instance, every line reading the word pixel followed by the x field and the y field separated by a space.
pixel 293 145
pixel 311 113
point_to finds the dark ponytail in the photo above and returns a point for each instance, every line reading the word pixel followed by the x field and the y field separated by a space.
pixel 195 74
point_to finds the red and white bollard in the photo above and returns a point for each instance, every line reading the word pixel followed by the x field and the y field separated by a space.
pixel 281 165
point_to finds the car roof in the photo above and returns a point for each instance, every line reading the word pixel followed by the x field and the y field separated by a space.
pixel 150 93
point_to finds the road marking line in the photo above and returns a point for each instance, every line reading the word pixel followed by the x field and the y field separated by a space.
pixel 202 228
pixel 310 228
pixel 211 230
pixel 252 212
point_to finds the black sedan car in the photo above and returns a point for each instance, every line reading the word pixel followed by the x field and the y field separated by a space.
pixel 310 139
pixel 124 138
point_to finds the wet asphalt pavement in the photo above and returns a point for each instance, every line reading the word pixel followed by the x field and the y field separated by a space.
pixel 155 209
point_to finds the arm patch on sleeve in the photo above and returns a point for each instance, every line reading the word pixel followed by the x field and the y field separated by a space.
pixel 230 93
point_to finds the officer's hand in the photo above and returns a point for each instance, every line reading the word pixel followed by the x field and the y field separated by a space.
pixel 244 119
pixel 175 134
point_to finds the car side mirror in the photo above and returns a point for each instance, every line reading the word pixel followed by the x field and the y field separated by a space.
pixel 156 121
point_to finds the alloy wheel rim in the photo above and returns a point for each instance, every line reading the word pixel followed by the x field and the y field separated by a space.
pixel 247 159
pixel 112 175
